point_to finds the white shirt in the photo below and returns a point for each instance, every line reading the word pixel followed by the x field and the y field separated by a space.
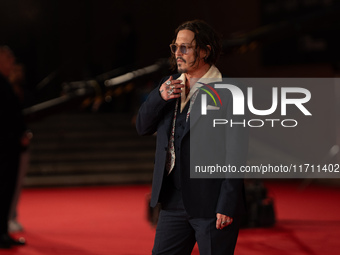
pixel 213 75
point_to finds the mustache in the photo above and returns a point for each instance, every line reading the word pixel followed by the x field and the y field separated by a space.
pixel 181 59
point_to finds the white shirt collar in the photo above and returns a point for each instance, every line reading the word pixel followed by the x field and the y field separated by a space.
pixel 213 75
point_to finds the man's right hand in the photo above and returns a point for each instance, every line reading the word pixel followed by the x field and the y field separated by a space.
pixel 171 89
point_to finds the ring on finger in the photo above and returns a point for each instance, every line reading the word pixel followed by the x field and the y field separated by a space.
pixel 170 92
pixel 168 83
pixel 225 222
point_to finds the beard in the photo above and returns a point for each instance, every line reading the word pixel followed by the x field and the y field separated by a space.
pixel 181 69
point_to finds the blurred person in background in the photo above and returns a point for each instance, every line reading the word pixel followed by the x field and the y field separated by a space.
pixel 12 135
pixel 203 210
pixel 17 80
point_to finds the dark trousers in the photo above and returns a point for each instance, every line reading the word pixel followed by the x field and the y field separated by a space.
pixel 9 163
pixel 177 233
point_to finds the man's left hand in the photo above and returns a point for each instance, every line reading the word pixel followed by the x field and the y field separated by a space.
pixel 223 221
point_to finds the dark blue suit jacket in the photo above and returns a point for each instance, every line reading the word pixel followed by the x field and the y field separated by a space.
pixel 202 197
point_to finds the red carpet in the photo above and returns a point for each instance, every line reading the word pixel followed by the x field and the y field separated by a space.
pixel 308 223
pixel 112 220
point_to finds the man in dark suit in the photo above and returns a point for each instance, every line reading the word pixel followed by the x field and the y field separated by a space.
pixel 12 130
pixel 202 210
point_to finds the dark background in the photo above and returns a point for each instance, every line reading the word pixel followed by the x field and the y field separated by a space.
pixel 83 38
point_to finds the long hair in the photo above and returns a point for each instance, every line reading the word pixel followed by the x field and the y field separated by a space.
pixel 204 35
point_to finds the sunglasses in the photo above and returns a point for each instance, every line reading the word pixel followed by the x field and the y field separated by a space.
pixel 183 48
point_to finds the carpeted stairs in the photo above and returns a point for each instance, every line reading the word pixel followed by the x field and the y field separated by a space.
pixel 88 149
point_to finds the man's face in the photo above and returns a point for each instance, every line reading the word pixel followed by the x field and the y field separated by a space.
pixel 185 61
